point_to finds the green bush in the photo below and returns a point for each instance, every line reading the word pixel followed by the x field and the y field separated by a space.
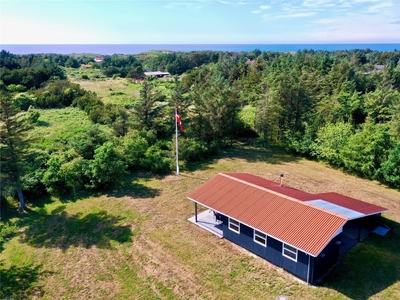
pixel 88 102
pixel 87 142
pixel 192 150
pixel 61 93
pixel 215 147
pixel 330 140
pixel 53 179
pixel 299 142
pixel 107 168
pixel 157 158
pixel 23 101
pixel 134 148
pixel 74 172
pixel 391 167
pixel 33 115
pixel 366 150
pixel 247 116
pixel 16 88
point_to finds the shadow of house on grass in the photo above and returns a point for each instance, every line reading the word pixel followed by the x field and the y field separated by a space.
pixel 61 230
pixel 20 282
pixel 370 267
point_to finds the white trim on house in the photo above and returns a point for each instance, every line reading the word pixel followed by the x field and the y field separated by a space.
pixel 260 238
pixel 289 252
pixel 234 225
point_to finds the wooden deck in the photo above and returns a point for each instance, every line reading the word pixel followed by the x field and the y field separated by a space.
pixel 207 221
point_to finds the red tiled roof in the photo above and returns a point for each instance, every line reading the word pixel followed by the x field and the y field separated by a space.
pixel 302 225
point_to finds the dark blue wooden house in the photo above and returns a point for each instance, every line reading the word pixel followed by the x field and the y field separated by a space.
pixel 303 233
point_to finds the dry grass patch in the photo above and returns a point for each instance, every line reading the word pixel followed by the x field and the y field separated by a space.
pixel 119 91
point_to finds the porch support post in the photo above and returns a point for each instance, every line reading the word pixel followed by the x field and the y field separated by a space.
pixel 359 230
pixel 195 212
pixel 308 269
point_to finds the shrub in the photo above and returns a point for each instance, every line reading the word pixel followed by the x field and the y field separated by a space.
pixel 60 93
pixel 107 168
pixel 87 142
pixel 192 150
pixel 74 172
pixel 15 88
pixel 391 167
pixel 366 150
pixel 53 178
pixel 23 101
pixel 33 115
pixel 88 102
pixel 134 148
pixel 157 158
pixel 330 140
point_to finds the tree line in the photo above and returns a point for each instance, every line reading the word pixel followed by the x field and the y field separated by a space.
pixel 342 107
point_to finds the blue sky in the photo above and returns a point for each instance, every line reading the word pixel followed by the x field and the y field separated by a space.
pixel 199 21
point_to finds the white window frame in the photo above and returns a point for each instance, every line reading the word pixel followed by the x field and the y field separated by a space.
pixel 289 249
pixel 232 222
pixel 260 235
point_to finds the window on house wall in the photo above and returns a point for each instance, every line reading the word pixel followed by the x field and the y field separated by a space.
pixel 234 225
pixel 289 252
pixel 260 238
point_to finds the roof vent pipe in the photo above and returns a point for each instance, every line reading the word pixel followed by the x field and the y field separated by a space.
pixel 281 184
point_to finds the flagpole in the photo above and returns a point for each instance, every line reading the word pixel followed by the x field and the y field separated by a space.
pixel 176 141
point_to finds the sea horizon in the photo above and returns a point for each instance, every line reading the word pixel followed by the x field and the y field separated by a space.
pixel 109 49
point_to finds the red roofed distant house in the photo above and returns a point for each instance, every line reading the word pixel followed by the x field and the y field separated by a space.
pixel 303 233
pixel 99 58
pixel 250 62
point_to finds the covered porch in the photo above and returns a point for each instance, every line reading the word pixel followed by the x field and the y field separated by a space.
pixel 352 234
pixel 207 221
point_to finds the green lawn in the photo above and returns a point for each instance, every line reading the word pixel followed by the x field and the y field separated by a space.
pixel 134 242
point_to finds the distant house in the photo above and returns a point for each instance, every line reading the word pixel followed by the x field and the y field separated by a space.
pixel 99 58
pixel 250 62
pixel 303 233
pixel 379 67
pixel 157 74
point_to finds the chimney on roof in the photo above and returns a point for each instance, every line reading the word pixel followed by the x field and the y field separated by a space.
pixel 281 184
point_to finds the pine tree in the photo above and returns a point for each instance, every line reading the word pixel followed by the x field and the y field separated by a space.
pixel 13 148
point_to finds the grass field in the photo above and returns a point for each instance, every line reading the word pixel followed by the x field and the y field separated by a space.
pixel 51 129
pixel 135 242
pixel 119 91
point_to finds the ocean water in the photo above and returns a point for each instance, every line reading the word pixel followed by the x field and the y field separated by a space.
pixel 109 49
